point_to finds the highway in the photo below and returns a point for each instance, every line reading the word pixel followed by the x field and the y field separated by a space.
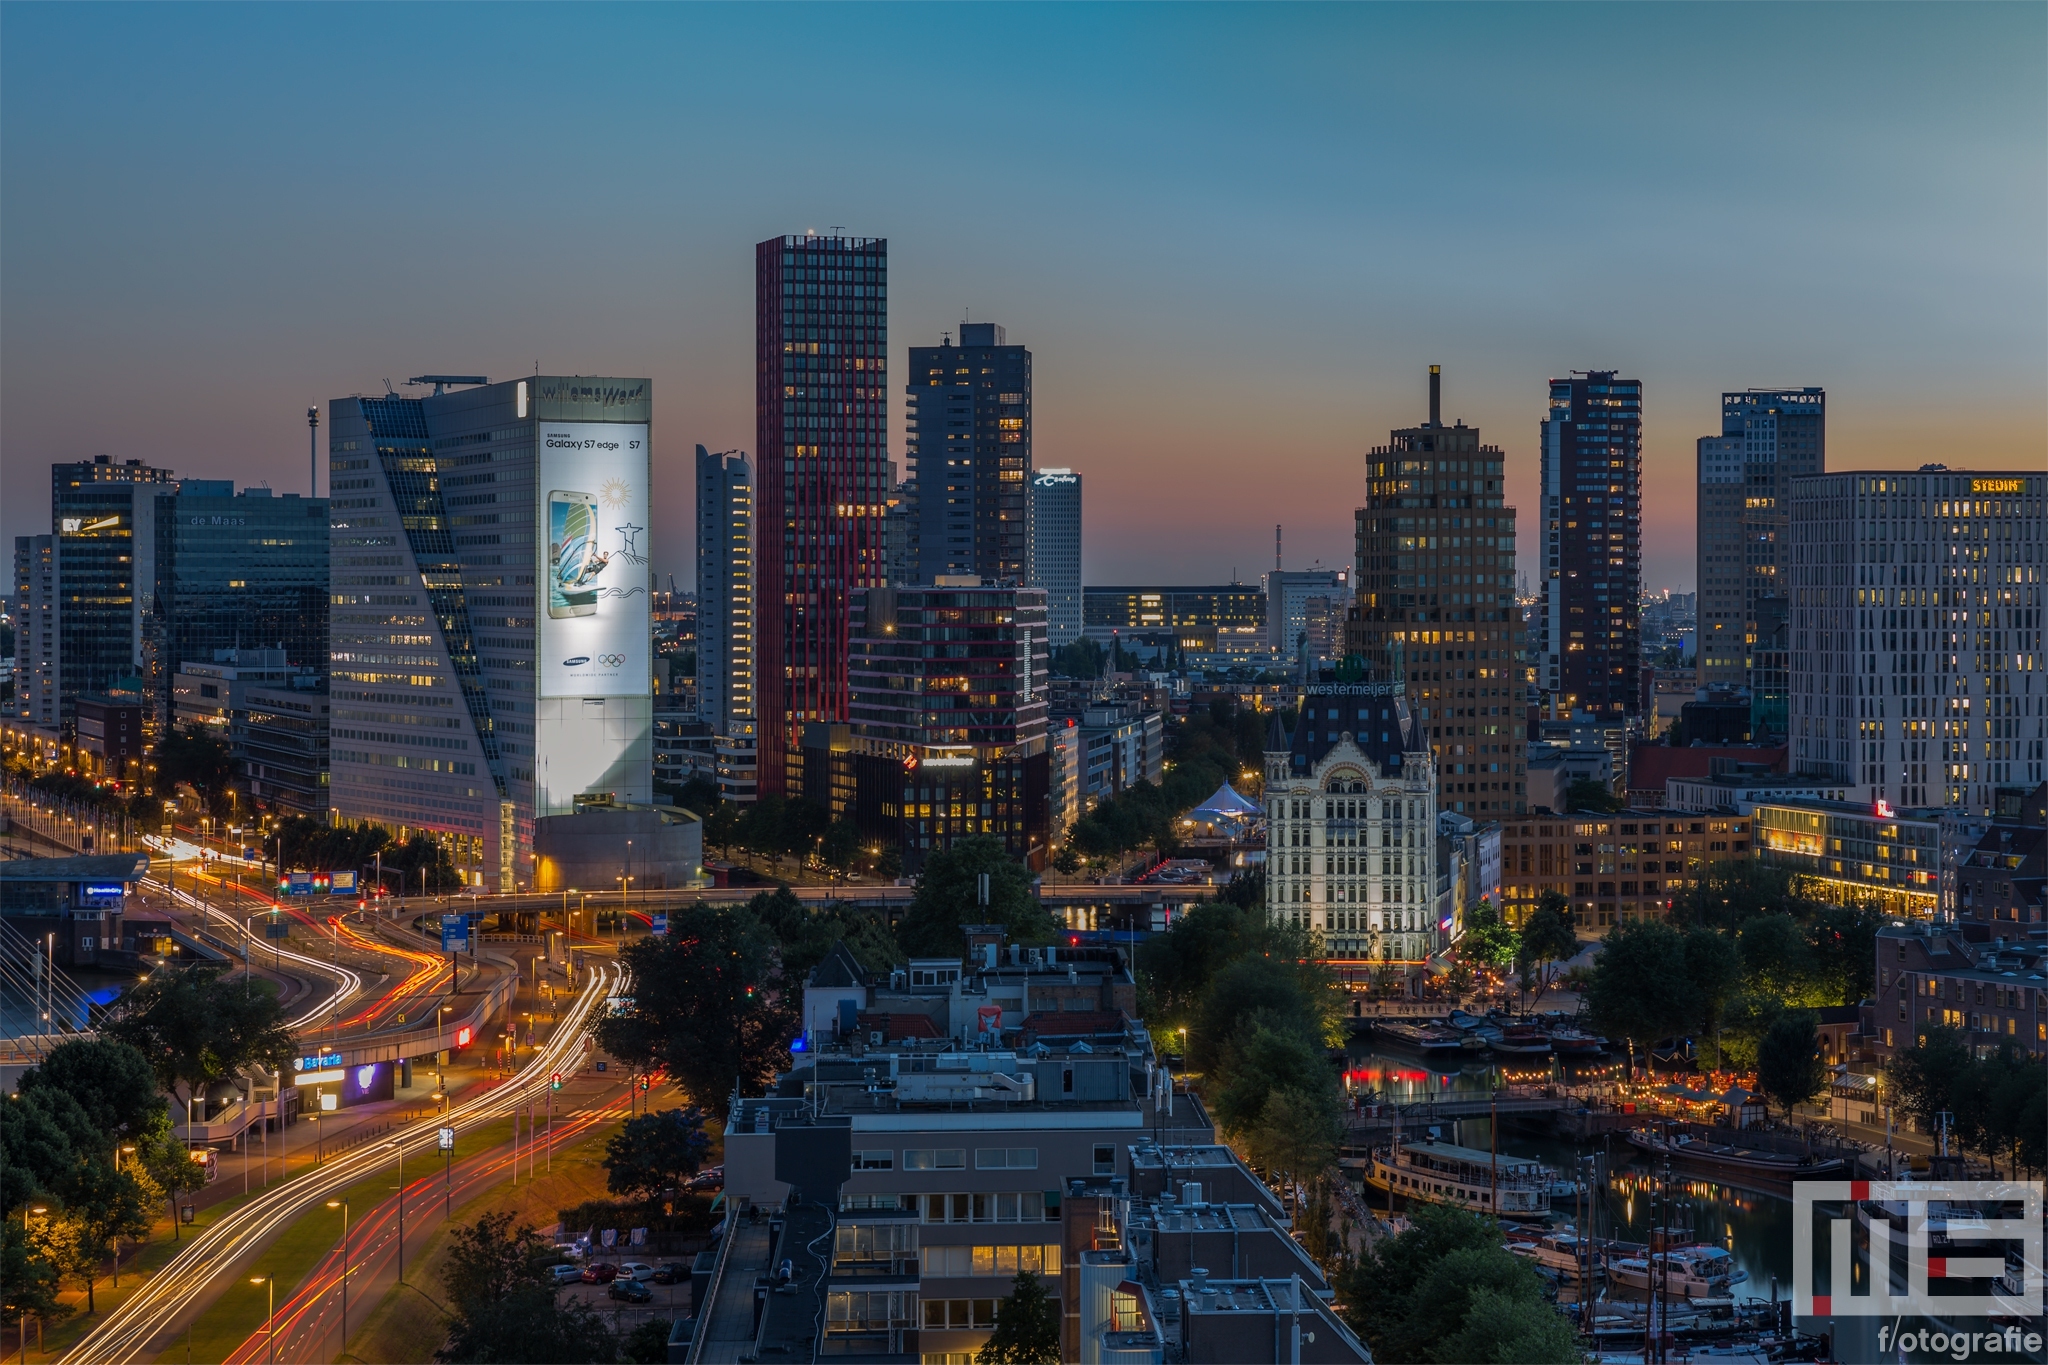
pixel 138 1328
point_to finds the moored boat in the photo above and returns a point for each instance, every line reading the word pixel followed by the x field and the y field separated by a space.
pixel 1687 1272
pixel 1428 1039
pixel 1686 1150
pixel 1443 1173
pixel 1521 1040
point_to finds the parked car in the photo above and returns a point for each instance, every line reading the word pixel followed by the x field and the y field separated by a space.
pixel 672 1272
pixel 636 1270
pixel 600 1272
pixel 565 1274
pixel 632 1291
pixel 712 1178
pixel 573 1251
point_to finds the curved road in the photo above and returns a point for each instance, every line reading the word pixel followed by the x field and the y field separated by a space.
pixel 131 1331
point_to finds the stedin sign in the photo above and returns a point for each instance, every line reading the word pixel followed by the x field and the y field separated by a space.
pixel 1958 1260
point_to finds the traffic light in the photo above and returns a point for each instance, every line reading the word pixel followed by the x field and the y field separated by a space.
pixel 644 1082
pixel 555 1081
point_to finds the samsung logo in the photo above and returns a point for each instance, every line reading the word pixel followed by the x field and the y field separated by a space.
pixel 576 662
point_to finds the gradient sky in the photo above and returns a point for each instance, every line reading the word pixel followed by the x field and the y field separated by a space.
pixel 1233 237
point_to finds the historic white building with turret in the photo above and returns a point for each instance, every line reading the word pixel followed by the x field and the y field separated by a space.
pixel 1351 847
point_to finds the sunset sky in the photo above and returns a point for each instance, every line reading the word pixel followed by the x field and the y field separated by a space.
pixel 1234 237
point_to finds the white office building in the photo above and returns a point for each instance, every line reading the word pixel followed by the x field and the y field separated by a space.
pixel 1916 650
pixel 725 616
pixel 490 626
pixel 1056 550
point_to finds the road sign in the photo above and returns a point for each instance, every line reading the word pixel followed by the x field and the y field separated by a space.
pixel 277 927
pixel 447 1139
pixel 342 884
pixel 454 934
pixel 661 924
pixel 301 884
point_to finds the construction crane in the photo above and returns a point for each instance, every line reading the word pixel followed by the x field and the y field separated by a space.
pixel 441 381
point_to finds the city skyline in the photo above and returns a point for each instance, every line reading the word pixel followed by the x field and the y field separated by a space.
pixel 1888 247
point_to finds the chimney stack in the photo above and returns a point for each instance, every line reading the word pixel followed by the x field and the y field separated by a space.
pixel 1436 395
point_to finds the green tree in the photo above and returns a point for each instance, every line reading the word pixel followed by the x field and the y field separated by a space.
pixel 647 1344
pixel 1714 966
pixel 1586 794
pixel 653 1154
pixel 1922 1080
pixel 505 1309
pixel 1080 659
pixel 698 794
pixel 1506 1329
pixel 710 1005
pixel 1778 960
pixel 1027 1327
pixel 169 1164
pixel 44 1135
pixel 1547 938
pixel 839 849
pixel 196 759
pixel 1289 992
pixel 1639 988
pixel 29 1278
pixel 722 827
pixel 197 1027
pixel 1298 1131
pixel 490 1258
pixel 948 896
pixel 1789 1068
pixel 100 1204
pixel 1447 1290
pixel 111 1080
pixel 1488 940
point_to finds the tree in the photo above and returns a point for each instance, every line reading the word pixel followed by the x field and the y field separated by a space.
pixel 948 896
pixel 1429 1294
pixel 647 1344
pixel 529 1328
pixel 29 1279
pixel 722 827
pixel 44 1135
pixel 169 1164
pixel 1080 659
pixel 1298 1131
pixel 655 1153
pixel 1789 1068
pixel 1504 1329
pixel 710 1005
pixel 1487 939
pixel 100 1204
pixel 839 849
pixel 1778 961
pixel 1027 1327
pixel 1923 1079
pixel 195 1027
pixel 1289 994
pixel 1586 794
pixel 1639 988
pixel 1547 937
pixel 698 794
pixel 112 1081
pixel 1714 966
pixel 490 1259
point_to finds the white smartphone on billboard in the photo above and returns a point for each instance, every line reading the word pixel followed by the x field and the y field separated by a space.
pixel 573 558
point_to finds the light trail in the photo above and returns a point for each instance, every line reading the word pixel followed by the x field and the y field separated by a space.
pixel 129 1332
pixel 348 982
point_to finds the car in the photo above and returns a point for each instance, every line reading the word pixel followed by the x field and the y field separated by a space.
pixel 632 1291
pixel 564 1274
pixel 636 1270
pixel 712 1178
pixel 600 1272
pixel 672 1272
pixel 571 1251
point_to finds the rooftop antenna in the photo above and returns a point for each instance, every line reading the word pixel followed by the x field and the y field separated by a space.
pixel 313 452
pixel 1276 547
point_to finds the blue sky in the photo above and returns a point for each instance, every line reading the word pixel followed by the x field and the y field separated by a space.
pixel 1233 236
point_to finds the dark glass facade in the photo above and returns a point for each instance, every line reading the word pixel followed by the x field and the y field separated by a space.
pixel 1435 606
pixel 821 408
pixel 1591 639
pixel 969 451
pixel 247 572
pixel 103 515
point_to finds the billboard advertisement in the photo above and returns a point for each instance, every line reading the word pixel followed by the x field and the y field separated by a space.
pixel 594 612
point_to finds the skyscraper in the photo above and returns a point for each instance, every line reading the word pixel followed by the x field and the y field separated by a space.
pixel 1768 438
pixel 821 419
pixel 490 624
pixel 35 630
pixel 1435 605
pixel 104 519
pixel 725 615
pixel 969 451
pixel 1916 656
pixel 1590 643
pixel 245 571
pixel 1056 550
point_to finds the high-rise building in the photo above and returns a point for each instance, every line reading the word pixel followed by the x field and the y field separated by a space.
pixel 1590 633
pixel 1435 606
pixel 968 447
pixel 1916 634
pixel 1768 438
pixel 725 615
pixel 104 520
pixel 490 625
pixel 35 630
pixel 1056 550
pixel 821 417
pixel 1223 616
pixel 233 572
pixel 1288 597
pixel 947 731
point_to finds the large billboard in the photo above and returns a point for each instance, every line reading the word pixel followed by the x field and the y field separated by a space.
pixel 593 608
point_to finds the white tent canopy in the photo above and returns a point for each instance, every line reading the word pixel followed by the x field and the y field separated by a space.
pixel 1226 803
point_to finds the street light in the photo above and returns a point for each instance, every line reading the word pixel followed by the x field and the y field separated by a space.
pixel 400 1149
pixel 270 1314
pixel 342 1204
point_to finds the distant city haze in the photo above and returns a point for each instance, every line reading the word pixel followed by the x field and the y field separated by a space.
pixel 1232 238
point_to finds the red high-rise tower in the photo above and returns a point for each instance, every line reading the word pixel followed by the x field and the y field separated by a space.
pixel 821 422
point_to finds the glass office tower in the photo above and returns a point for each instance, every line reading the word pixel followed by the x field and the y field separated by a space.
pixel 821 416
pixel 103 518
pixel 490 619
pixel 725 615
pixel 1590 644
pixel 969 450
pixel 1056 550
